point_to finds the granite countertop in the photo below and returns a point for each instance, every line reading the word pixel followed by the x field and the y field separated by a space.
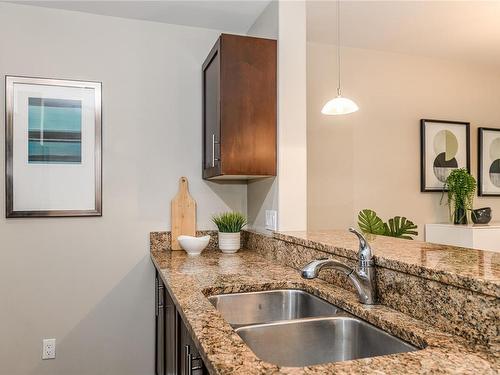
pixel 476 270
pixel 494 225
pixel 191 279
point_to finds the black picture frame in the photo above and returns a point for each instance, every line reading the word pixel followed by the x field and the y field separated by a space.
pixel 423 161
pixel 480 160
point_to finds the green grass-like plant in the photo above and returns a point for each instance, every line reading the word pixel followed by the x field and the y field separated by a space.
pixel 230 222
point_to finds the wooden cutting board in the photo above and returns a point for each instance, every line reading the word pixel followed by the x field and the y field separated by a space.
pixel 183 214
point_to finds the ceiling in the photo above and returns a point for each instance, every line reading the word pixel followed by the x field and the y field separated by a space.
pixel 229 16
pixel 458 30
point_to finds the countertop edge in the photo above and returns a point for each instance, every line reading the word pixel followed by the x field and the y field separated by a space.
pixel 446 277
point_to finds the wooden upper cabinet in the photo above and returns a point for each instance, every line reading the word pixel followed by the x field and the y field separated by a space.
pixel 240 108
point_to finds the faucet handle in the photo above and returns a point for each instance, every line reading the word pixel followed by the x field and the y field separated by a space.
pixel 365 251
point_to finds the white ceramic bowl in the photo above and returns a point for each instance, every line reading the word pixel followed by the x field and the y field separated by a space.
pixel 193 245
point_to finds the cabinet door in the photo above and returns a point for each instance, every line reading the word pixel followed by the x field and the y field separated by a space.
pixel 160 327
pixel 171 335
pixel 248 105
pixel 190 362
pixel 211 114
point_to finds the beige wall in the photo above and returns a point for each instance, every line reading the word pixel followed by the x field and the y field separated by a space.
pixel 370 159
pixel 88 282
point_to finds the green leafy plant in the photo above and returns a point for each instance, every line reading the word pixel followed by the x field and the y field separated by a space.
pixel 230 222
pixel 461 187
pixel 400 227
pixel 369 222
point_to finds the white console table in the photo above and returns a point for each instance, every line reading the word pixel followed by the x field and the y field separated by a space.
pixel 482 237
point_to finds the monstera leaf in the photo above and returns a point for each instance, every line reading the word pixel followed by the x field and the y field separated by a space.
pixel 400 227
pixel 369 222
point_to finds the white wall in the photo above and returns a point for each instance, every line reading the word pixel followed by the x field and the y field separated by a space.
pixel 262 194
pixel 88 282
pixel 287 194
pixel 292 108
pixel 267 24
pixel 371 158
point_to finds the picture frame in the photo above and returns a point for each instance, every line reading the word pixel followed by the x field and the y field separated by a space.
pixel 488 162
pixel 444 146
pixel 53 147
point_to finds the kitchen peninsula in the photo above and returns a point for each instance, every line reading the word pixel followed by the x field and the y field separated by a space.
pixel 452 322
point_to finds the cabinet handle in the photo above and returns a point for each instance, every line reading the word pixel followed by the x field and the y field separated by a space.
pixel 156 295
pixel 158 291
pixel 188 361
pixel 214 159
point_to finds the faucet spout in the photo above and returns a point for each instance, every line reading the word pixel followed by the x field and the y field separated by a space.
pixel 363 278
pixel 311 270
pixel 365 253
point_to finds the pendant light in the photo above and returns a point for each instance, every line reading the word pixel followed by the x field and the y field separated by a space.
pixel 339 105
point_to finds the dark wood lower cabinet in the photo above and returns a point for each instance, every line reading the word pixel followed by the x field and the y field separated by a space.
pixel 159 327
pixel 189 358
pixel 176 353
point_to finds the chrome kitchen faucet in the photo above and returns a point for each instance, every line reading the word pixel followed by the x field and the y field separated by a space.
pixel 363 278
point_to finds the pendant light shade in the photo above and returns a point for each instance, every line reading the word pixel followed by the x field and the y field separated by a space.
pixel 339 105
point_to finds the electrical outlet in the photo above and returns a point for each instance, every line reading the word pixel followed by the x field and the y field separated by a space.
pixel 49 349
pixel 271 219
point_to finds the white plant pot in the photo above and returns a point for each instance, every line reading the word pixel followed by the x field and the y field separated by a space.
pixel 229 243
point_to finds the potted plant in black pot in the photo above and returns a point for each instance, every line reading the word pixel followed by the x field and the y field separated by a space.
pixel 461 187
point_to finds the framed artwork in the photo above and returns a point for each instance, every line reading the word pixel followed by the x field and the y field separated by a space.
pixel 444 146
pixel 488 170
pixel 53 147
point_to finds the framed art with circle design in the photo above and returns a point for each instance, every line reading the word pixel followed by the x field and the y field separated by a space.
pixel 488 166
pixel 444 146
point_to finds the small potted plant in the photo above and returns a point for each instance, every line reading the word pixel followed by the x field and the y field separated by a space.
pixel 461 187
pixel 229 225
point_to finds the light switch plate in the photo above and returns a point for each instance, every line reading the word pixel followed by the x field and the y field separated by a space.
pixel 271 220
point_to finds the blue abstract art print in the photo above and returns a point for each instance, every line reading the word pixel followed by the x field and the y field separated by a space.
pixel 54 131
pixel 53 139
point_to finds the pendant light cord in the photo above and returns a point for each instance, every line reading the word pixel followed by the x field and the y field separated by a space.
pixel 339 105
pixel 339 91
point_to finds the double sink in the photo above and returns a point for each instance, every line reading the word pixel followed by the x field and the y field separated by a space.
pixel 294 328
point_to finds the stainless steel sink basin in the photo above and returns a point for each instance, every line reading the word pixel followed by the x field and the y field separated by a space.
pixel 315 341
pixel 294 328
pixel 241 309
